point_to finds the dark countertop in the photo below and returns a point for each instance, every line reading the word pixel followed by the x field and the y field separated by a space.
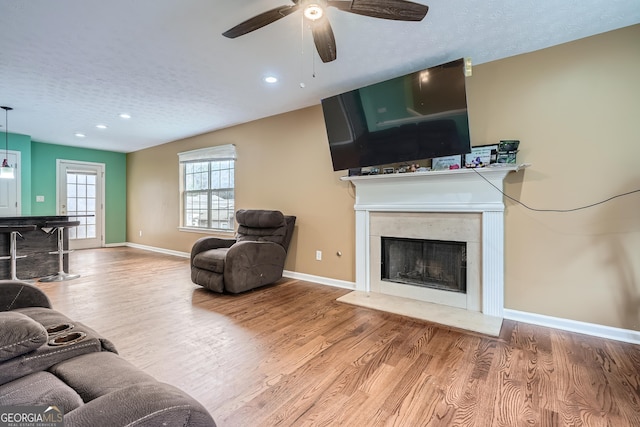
pixel 31 219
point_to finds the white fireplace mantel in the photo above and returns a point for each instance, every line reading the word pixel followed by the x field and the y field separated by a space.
pixel 461 190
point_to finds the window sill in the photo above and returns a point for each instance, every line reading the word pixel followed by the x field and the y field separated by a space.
pixel 207 231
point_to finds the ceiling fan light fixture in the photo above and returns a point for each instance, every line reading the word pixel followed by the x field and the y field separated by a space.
pixel 313 12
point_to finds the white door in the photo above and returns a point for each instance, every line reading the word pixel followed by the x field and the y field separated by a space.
pixel 81 197
pixel 10 188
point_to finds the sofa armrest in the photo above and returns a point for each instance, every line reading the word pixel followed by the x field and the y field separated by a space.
pixel 16 294
pixel 251 264
pixel 206 243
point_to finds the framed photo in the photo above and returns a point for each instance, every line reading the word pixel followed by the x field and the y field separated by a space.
pixel 480 156
pixel 447 162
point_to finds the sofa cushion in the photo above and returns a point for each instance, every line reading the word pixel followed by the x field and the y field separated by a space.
pixel 211 260
pixel 95 374
pixel 149 404
pixel 19 334
pixel 40 388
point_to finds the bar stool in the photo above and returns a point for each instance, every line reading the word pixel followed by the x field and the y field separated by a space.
pixel 15 231
pixel 59 226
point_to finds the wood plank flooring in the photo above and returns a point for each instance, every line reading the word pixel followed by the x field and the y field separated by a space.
pixel 290 355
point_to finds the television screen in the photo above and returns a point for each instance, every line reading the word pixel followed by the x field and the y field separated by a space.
pixel 418 116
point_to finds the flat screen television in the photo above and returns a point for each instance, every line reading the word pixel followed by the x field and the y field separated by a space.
pixel 417 116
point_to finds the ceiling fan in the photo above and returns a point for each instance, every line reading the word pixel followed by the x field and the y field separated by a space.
pixel 314 13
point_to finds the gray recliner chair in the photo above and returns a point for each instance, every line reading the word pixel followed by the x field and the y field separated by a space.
pixel 254 258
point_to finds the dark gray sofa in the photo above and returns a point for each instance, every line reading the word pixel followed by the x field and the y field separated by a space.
pixel 47 359
pixel 254 258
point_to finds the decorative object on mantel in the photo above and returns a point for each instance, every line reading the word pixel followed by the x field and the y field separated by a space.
pixel 447 162
pixel 481 156
pixel 491 155
pixel 496 168
pixel 507 150
pixel 6 171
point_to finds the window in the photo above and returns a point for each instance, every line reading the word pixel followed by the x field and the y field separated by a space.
pixel 207 188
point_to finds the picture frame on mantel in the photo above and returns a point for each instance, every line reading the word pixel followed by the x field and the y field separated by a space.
pixel 446 163
pixel 480 156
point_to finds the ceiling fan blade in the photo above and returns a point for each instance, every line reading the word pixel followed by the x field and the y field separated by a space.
pixel 324 39
pixel 260 21
pixel 399 10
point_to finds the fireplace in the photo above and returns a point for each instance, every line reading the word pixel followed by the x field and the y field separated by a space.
pixel 427 263
pixel 453 205
pixel 435 239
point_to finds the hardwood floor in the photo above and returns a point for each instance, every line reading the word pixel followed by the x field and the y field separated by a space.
pixel 290 354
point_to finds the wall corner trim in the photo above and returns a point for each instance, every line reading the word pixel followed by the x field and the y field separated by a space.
pixel 602 331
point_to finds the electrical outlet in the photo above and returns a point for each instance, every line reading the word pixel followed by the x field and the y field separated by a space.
pixel 318 255
pixel 140 233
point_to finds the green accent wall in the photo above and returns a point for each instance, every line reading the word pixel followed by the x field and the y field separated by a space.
pixel 38 178
pixel 42 179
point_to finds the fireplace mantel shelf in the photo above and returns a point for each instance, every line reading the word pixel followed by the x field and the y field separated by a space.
pixel 437 174
pixel 471 190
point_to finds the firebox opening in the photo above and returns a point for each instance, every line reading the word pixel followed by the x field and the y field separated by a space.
pixel 427 263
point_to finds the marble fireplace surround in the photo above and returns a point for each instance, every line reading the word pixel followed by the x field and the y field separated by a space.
pixel 454 192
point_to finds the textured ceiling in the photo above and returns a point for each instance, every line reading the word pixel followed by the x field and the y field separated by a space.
pixel 67 65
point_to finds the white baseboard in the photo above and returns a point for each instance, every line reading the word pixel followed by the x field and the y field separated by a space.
pixel 159 250
pixel 114 245
pixel 319 279
pixel 618 334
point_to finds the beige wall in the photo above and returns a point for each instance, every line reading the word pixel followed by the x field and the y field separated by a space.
pixel 283 163
pixel 575 108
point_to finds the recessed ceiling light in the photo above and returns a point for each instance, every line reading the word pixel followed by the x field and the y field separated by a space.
pixel 101 126
pixel 125 115
pixel 80 135
pixel 270 79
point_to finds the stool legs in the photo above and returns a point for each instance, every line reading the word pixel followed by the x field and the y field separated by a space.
pixel 61 275
pixel 13 254
pixel 13 232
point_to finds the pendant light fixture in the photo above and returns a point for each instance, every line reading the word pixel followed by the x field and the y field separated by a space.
pixel 6 171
